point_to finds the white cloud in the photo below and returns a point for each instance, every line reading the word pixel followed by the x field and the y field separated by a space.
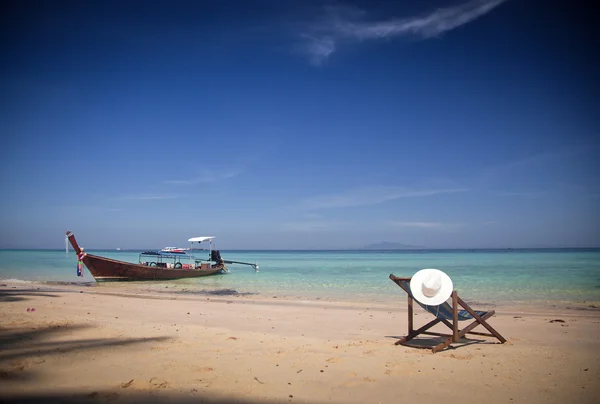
pixel 368 196
pixel 343 23
pixel 318 49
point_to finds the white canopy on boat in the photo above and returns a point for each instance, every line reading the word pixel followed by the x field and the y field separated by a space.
pixel 199 239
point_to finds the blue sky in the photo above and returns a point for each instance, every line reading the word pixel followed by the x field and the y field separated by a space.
pixel 299 124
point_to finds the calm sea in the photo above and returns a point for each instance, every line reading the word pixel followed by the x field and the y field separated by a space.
pixel 491 276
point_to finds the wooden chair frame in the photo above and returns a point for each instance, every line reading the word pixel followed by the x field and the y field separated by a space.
pixel 457 333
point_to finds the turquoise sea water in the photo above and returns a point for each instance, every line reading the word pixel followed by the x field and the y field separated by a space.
pixel 492 276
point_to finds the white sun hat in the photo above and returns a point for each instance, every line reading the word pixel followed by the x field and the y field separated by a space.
pixel 431 287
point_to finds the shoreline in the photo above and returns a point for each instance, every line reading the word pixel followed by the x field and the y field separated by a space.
pixel 142 290
pixel 93 343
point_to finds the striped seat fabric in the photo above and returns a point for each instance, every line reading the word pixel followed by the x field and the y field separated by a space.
pixel 444 310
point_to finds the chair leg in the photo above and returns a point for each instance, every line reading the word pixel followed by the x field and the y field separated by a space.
pixel 455 336
pixel 441 346
pixel 480 320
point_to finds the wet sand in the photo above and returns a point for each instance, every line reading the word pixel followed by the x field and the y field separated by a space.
pixel 103 344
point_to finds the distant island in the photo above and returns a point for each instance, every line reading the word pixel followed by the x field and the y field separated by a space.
pixel 386 245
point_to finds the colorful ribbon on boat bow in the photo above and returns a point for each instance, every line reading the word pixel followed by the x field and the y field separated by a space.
pixel 80 263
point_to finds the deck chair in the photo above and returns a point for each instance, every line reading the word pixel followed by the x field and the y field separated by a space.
pixel 447 314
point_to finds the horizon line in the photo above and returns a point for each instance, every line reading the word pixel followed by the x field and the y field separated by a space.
pixel 327 249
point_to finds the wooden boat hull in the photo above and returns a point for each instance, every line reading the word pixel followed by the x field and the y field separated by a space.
pixel 109 270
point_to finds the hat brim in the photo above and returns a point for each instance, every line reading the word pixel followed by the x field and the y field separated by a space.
pixel 416 287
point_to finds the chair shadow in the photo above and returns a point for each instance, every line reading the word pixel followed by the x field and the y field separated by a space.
pixel 430 343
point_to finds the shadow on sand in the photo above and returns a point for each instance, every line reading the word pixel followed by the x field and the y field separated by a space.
pixel 137 397
pixel 431 342
pixel 25 346
pixel 24 343
pixel 16 295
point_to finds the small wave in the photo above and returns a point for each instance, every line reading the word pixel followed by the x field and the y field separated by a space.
pixel 11 280
pixel 63 283
pixel 216 292
pixel 227 292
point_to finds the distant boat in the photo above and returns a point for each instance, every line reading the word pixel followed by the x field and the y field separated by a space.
pixel 174 250
pixel 118 249
pixel 155 265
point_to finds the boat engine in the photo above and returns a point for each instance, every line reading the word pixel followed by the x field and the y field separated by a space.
pixel 215 255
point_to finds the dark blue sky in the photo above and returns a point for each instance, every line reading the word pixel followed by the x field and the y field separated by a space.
pixel 300 124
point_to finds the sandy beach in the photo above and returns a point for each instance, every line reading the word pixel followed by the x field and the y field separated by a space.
pixel 102 344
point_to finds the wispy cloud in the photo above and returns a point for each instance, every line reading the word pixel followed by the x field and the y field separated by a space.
pixel 313 226
pixel 522 194
pixel 205 177
pixel 318 48
pixel 147 197
pixel 368 196
pixel 547 160
pixel 489 222
pixel 516 167
pixel 312 216
pixel 426 225
pixel 343 23
pixel 422 225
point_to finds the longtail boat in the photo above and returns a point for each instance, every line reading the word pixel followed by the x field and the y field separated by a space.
pixel 155 265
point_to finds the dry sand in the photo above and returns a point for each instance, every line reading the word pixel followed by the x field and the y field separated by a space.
pixel 101 344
